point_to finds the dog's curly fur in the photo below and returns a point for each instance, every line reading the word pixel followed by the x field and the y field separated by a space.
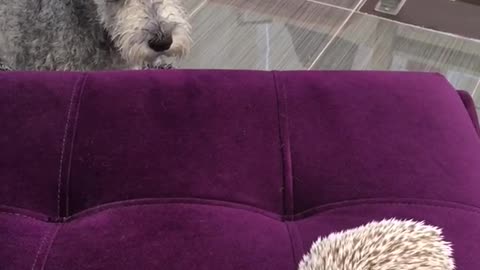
pixel 89 34
pixel 385 245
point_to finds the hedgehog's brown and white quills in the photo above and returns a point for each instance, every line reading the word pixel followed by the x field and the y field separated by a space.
pixel 386 245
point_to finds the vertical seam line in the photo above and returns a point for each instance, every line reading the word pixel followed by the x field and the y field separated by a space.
pixel 39 250
pixel 64 141
pixel 288 202
pixel 72 144
pixel 50 244
pixel 292 245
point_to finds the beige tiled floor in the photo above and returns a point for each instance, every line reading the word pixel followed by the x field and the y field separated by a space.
pixel 370 43
pixel 259 34
pixel 323 34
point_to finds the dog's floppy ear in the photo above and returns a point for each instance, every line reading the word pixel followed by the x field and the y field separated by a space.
pixel 385 245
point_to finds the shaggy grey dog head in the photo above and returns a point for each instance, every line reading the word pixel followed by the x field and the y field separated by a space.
pixel 145 31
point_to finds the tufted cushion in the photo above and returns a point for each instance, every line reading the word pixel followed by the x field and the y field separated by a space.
pixel 227 169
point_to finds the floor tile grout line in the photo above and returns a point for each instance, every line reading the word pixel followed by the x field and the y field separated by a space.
pixel 476 88
pixel 198 8
pixel 362 3
pixel 340 28
pixel 320 2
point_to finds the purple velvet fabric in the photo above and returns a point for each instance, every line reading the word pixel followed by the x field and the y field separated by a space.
pixel 471 109
pixel 227 169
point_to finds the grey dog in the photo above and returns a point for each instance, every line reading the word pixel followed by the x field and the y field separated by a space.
pixel 91 34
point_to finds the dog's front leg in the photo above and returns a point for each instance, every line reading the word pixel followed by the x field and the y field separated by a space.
pixel 4 67
pixel 149 67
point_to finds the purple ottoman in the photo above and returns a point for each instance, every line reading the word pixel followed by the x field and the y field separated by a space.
pixel 227 170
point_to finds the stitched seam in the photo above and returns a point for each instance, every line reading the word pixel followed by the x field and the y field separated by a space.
pixel 22 216
pixel 300 240
pixel 74 131
pixel 64 140
pixel 49 247
pixel 284 188
pixel 290 237
pixel 265 213
pixel 179 201
pixel 157 201
pixel 288 207
pixel 288 155
pixel 42 242
pixel 346 204
pixel 351 204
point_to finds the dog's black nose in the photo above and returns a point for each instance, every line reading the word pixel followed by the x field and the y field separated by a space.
pixel 160 43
